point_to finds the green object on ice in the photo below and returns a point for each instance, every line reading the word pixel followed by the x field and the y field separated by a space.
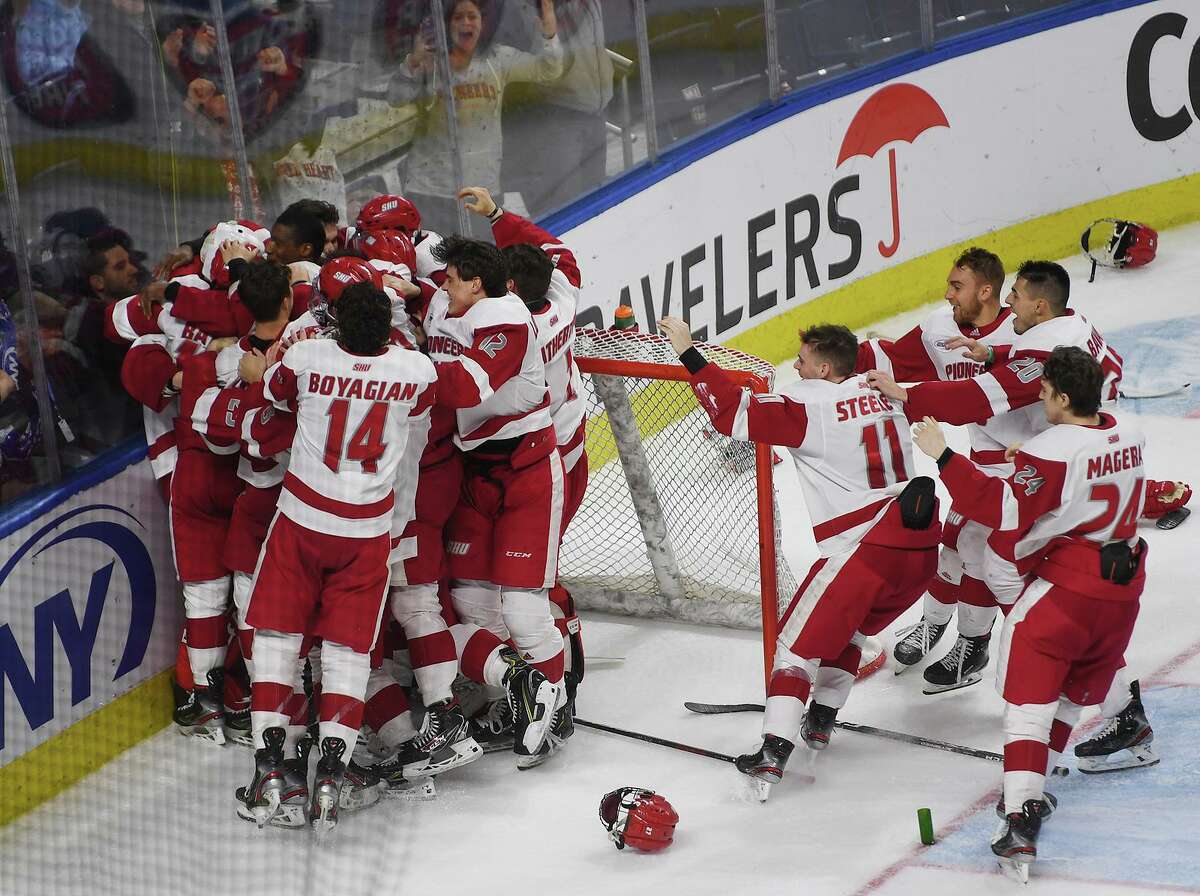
pixel 925 823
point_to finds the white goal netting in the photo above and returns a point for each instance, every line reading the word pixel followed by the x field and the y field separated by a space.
pixel 670 523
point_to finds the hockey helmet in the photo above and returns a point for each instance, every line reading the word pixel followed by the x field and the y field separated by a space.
pixel 388 212
pixel 212 262
pixel 1119 244
pixel 639 818
pixel 388 247
pixel 335 276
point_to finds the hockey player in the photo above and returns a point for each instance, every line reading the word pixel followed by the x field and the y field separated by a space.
pixel 545 275
pixel 927 352
pixel 1067 565
pixel 324 566
pixel 503 537
pixel 876 531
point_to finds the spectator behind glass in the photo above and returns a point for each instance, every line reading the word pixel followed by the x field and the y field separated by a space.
pixel 556 139
pixel 479 75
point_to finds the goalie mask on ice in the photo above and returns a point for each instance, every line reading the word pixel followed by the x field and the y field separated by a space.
pixel 638 818
pixel 1119 244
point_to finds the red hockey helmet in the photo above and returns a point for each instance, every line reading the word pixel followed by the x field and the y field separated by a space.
pixel 390 246
pixel 1120 244
pixel 389 212
pixel 332 281
pixel 639 818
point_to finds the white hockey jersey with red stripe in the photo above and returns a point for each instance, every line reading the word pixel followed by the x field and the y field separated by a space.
pixel 146 372
pixel 921 355
pixel 353 415
pixel 850 446
pixel 489 367
pixel 126 322
pixel 1007 393
pixel 555 325
pixel 1075 489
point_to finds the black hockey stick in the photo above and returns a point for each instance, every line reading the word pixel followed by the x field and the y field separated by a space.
pixel 1164 392
pixel 913 739
pixel 651 739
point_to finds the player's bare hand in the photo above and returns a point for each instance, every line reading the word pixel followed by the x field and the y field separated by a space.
pixel 231 249
pixel 173 259
pixel 151 295
pixel 252 366
pixel 1011 451
pixel 222 343
pixel 177 380
pixel 477 200
pixel 929 437
pixel 678 332
pixel 975 350
pixel 886 386
pixel 274 352
pixel 402 287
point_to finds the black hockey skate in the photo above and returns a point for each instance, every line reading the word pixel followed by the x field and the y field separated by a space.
pixel 327 787
pixel 961 667
pixel 293 799
pixel 493 729
pixel 532 699
pixel 443 743
pixel 1126 741
pixel 261 800
pixel 200 713
pixel 769 762
pixel 817 725
pixel 562 726
pixel 1049 803
pixel 915 642
pixel 238 728
pixel 1015 846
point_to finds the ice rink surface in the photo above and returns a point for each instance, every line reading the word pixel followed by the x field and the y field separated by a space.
pixel 160 818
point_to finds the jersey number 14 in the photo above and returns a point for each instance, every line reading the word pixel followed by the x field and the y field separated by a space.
pixel 366 444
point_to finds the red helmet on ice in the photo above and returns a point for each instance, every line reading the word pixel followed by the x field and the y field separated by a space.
pixel 1119 244
pixel 390 246
pixel 332 281
pixel 389 212
pixel 639 818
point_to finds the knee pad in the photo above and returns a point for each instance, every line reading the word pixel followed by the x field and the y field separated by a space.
pixel 479 604
pixel 210 598
pixel 1029 721
pixel 786 660
pixel 526 614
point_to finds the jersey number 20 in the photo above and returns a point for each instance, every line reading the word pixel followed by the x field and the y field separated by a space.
pixel 365 446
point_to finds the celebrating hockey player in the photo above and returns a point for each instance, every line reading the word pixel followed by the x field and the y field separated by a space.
pixel 876 530
pixel 1066 564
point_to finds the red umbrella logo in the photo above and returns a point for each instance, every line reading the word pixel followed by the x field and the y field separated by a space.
pixel 897 112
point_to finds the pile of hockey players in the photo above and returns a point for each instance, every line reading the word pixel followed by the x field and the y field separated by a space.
pixel 1042 525
pixel 371 441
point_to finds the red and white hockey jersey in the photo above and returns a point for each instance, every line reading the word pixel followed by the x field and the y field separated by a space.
pixel 489 368
pixel 1075 489
pixel 146 373
pixel 921 355
pixel 353 416
pixel 1007 393
pixel 850 446
pixel 555 325
pixel 125 322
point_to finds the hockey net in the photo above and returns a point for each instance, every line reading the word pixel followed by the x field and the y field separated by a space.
pixel 678 520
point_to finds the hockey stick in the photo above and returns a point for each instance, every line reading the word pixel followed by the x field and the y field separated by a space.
pixel 1153 393
pixel 651 739
pixel 914 739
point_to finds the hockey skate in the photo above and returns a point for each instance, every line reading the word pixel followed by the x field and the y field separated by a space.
pixel 1015 846
pixel 562 726
pixel 237 727
pixel 817 725
pixel 262 799
pixel 1126 741
pixel 1049 803
pixel 915 642
pixel 442 744
pixel 532 700
pixel 293 800
pixel 961 667
pixel 200 713
pixel 327 788
pixel 766 766
pixel 493 729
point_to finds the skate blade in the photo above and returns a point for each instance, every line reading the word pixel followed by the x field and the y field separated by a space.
pixel 1141 756
pixel 762 789
pixel 524 763
pixel 264 813
pixel 351 798
pixel 536 731
pixel 413 791
pixel 323 821
pixel 204 733
pixel 287 816
pixel 500 745
pixel 239 737
pixel 457 754
pixel 1016 869
pixel 974 678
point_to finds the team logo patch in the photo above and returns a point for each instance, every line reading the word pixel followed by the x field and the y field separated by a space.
pixel 494 344
pixel 458 548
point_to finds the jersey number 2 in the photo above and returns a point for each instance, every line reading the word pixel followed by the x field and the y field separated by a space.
pixel 876 477
pixel 365 446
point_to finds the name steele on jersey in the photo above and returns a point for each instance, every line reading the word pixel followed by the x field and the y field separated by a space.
pixel 862 406
pixel 1114 462
pixel 353 387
